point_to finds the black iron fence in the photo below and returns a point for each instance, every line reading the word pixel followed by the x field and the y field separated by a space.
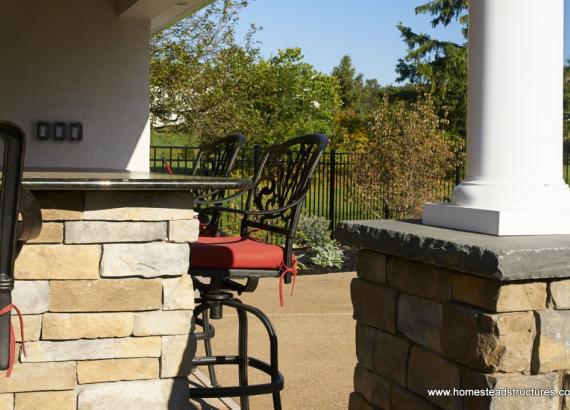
pixel 333 194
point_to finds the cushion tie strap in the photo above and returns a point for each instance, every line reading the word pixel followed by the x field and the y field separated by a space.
pixel 285 270
pixel 6 310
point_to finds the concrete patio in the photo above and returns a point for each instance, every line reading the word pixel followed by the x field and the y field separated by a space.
pixel 316 331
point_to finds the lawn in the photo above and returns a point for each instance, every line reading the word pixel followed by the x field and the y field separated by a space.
pixel 170 139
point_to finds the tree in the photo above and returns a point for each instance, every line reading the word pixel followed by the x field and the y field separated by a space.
pixel 370 96
pixel 350 84
pixel 360 99
pixel 206 84
pixel 189 70
pixel 441 66
pixel 357 93
pixel 351 131
pixel 292 98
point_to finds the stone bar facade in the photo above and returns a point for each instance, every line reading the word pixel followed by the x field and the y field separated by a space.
pixel 107 303
pixel 440 309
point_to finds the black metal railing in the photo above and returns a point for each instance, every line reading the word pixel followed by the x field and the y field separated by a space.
pixel 332 196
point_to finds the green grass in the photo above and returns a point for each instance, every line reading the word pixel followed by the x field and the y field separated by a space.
pixel 171 139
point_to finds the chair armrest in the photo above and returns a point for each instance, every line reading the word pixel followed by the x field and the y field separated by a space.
pixel 201 201
pixel 212 209
pixel 245 212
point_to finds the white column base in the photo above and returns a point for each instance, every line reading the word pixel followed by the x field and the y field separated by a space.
pixel 498 222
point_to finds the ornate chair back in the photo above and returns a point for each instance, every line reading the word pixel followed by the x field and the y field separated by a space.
pixel 216 159
pixel 280 186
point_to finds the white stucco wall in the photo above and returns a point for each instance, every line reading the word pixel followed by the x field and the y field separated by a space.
pixel 76 60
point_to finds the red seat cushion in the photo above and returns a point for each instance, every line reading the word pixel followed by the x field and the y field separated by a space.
pixel 235 252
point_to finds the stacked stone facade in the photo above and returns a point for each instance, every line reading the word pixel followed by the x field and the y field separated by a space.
pixel 107 303
pixel 421 327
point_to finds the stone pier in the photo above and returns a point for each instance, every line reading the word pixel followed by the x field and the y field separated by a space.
pixel 107 303
pixel 443 309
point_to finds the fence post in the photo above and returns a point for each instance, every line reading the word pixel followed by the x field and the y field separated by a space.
pixel 255 158
pixel 458 175
pixel 332 176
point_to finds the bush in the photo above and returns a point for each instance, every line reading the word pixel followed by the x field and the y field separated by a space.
pixel 313 233
pixel 329 255
pixel 409 154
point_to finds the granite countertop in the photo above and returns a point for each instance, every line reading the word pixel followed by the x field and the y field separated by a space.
pixel 505 258
pixel 108 180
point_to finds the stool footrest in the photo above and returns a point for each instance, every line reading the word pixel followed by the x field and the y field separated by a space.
pixel 276 384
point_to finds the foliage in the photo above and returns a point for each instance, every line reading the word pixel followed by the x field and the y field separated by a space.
pixel 186 62
pixel 313 232
pixel 292 98
pixel 360 98
pixel 407 155
pixel 206 84
pixel 328 255
pixel 440 65
pixel 357 93
pixel 567 101
pixel 406 92
pixel 351 130
pixel 350 84
pixel 445 11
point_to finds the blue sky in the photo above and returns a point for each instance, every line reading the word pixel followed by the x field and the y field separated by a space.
pixel 328 29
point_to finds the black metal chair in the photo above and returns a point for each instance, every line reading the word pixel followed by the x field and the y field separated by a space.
pixel 215 159
pixel 14 201
pixel 273 206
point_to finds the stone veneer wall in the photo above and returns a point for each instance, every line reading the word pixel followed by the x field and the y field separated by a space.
pixel 420 326
pixel 107 303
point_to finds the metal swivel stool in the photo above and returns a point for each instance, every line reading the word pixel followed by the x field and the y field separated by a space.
pixel 14 201
pixel 215 159
pixel 273 207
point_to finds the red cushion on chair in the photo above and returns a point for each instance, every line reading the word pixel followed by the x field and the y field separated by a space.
pixel 235 253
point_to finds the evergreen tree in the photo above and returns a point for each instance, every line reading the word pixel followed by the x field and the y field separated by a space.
pixel 350 83
pixel 440 66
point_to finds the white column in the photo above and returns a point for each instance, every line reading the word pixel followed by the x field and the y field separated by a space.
pixel 514 184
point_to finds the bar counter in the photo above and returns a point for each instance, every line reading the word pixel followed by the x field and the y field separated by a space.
pixel 104 290
pixel 124 180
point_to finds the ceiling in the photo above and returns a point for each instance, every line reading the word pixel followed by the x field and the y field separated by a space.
pixel 161 13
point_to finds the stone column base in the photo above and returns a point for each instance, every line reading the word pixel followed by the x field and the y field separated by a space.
pixel 107 303
pixel 456 320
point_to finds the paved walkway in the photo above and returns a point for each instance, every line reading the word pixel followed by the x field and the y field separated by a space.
pixel 316 337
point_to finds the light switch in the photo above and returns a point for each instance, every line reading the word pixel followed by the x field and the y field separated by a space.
pixel 42 131
pixel 59 131
pixel 76 131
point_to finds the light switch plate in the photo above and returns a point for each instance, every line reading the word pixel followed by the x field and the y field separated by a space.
pixel 42 131
pixel 59 131
pixel 76 131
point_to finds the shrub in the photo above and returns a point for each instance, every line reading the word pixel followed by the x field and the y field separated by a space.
pixel 313 233
pixel 408 156
pixel 329 255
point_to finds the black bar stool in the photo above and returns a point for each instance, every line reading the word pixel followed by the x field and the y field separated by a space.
pixel 215 159
pixel 273 207
pixel 14 200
